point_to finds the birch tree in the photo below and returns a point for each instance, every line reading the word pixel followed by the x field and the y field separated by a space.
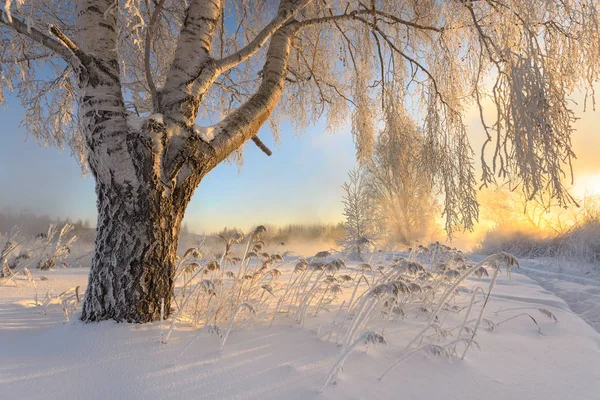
pixel 124 82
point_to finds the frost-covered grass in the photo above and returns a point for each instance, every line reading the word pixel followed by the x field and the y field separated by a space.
pixel 354 303
pixel 19 253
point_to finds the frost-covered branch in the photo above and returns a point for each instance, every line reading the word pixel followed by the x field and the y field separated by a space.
pixel 352 15
pixel 244 123
pixel 38 37
pixel 287 10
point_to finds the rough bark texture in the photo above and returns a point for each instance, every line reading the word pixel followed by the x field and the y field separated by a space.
pixel 136 239
pixel 133 264
pixel 193 71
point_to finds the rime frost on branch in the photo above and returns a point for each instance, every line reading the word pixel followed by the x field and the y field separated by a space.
pixel 157 117
pixel 136 123
pixel 7 14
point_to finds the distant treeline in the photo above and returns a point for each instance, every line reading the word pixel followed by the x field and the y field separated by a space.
pixel 296 232
pixel 32 224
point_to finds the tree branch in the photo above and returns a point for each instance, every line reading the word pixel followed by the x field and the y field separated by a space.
pixel 352 15
pixel 408 58
pixel 282 17
pixel 259 143
pixel 40 38
pixel 193 71
pixel 101 107
pixel 26 58
pixel 79 54
pixel 243 124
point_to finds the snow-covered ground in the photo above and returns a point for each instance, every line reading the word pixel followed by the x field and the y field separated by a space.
pixel 44 357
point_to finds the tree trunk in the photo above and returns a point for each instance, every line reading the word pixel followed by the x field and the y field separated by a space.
pixel 139 222
pixel 133 265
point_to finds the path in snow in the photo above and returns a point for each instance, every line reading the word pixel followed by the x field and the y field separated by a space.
pixel 579 289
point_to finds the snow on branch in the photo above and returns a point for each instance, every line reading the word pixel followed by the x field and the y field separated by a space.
pixel 206 133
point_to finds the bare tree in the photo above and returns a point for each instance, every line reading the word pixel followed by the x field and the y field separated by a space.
pixel 397 180
pixel 122 82
pixel 361 216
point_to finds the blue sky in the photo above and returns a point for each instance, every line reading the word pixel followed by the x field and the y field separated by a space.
pixel 301 181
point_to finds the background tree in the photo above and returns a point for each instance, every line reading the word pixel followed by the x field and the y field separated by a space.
pixel 396 179
pixel 361 213
pixel 511 210
pixel 123 82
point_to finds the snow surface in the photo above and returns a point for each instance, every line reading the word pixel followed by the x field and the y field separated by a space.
pixel 41 356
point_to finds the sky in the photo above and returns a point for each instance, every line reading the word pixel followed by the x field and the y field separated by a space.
pixel 300 183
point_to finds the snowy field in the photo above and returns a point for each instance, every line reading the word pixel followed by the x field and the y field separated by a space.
pixel 43 356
